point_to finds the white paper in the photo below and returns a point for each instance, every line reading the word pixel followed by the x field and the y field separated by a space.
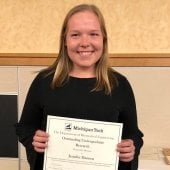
pixel 77 144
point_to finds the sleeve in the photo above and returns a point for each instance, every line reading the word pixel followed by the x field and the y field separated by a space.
pixel 128 117
pixel 30 119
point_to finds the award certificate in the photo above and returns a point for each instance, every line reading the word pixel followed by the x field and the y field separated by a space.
pixel 78 144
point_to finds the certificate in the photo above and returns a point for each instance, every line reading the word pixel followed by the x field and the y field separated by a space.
pixel 78 144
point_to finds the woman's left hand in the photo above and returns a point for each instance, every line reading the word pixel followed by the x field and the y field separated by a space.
pixel 126 150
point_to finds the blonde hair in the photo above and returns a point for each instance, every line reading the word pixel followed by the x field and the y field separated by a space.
pixel 63 65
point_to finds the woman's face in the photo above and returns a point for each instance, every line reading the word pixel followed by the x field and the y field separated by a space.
pixel 84 40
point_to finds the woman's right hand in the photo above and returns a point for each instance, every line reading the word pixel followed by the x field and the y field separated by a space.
pixel 40 140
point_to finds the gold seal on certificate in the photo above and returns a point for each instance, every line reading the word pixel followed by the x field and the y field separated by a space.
pixel 76 144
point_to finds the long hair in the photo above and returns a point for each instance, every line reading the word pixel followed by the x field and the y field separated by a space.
pixel 63 65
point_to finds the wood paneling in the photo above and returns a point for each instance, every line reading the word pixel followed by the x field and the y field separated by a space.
pixel 119 59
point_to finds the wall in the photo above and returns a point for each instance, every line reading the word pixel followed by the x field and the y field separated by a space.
pixel 134 26
pixel 151 88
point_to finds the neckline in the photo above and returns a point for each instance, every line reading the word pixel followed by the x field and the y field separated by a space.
pixel 82 78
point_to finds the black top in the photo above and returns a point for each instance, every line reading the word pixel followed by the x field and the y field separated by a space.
pixel 76 100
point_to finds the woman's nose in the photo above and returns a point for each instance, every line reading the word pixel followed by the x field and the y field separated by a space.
pixel 84 41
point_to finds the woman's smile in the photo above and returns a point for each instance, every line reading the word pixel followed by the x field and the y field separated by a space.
pixel 85 53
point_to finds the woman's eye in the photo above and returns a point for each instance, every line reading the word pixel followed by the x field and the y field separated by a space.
pixel 74 35
pixel 94 34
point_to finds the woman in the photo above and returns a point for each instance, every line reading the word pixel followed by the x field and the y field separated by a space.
pixel 80 84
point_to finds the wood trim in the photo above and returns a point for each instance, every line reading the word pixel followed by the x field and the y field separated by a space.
pixel 118 59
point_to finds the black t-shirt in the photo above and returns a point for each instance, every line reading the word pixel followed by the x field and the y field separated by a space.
pixel 76 99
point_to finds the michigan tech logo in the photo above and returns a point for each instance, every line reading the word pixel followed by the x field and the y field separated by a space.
pixel 68 126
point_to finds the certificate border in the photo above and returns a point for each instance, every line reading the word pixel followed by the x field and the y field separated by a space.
pixel 120 125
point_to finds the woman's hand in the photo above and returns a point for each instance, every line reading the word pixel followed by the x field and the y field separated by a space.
pixel 40 141
pixel 126 150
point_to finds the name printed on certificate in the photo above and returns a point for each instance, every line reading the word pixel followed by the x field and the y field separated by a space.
pixel 76 144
